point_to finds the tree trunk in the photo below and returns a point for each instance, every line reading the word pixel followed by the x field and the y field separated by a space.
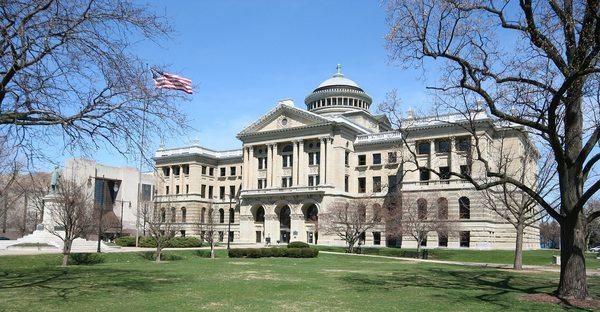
pixel 518 264
pixel 66 252
pixel 158 252
pixel 212 250
pixel 573 282
pixel 418 248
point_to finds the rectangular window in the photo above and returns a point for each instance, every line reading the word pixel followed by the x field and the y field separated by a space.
pixel 465 238
pixel 182 233
pixel 442 146
pixel 362 185
pixel 202 190
pixel 262 163
pixel 230 236
pixel 444 173
pixel 286 182
pixel 346 184
pixel 210 191
pixel 222 192
pixel 167 190
pixel 146 192
pixel 232 191
pixel 392 184
pixel 176 189
pixel 347 158
pixel 221 236
pixel 203 169
pixel 258 236
pixel 392 158
pixel 377 159
pixel 464 170
pixel 176 171
pixel 223 171
pixel 186 169
pixel 423 174
pixel 287 161
pixel 376 184
pixel 232 171
pixel 166 171
pixel 313 180
pixel 376 238
pixel 187 188
pixel 211 171
pixel 423 148
pixel 362 160
pixel 314 158
pixel 463 144
pixel 442 239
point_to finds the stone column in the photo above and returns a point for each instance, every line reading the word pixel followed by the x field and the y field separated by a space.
pixel 244 167
pixel 330 159
pixel 171 181
pixel 454 164
pixel 295 163
pixel 322 152
pixel 297 225
pixel 269 164
pixel 181 182
pixel 271 225
pixel 250 180
pixel 276 167
pixel 302 164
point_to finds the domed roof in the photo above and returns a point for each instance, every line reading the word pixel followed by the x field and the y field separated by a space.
pixel 338 79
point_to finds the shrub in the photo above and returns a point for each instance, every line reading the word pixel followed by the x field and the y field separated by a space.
pixel 148 255
pixel 273 252
pixel 203 253
pixel 125 241
pixel 85 258
pixel 151 255
pixel 298 245
pixel 184 242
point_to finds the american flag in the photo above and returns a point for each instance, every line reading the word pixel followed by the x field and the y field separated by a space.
pixel 170 81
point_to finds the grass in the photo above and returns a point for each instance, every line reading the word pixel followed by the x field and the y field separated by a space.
pixel 127 281
pixel 530 257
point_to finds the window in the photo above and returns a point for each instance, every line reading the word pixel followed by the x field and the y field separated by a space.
pixel 346 184
pixel 287 160
pixel 203 169
pixel 187 188
pixel 362 160
pixel 376 238
pixel 465 238
pixel 463 144
pixel 183 214
pixel 377 212
pixel 176 189
pixel 347 158
pixel 465 170
pixel 223 171
pixel 231 191
pixel 175 171
pixel 260 215
pixel 423 148
pixel 230 236
pixel 421 209
pixel 262 163
pixel 286 182
pixel 163 215
pixel 210 191
pixel 182 232
pixel 222 192
pixel 166 171
pixel 167 190
pixel 211 171
pixel 221 215
pixel 202 190
pixel 424 241
pixel 258 236
pixel 186 169
pixel 232 171
pixel 314 158
pixel 392 158
pixel 221 236
pixel 392 184
pixel 231 215
pixel 424 174
pixel 376 184
pixel 202 215
pixel 442 239
pixel 442 146
pixel 442 204
pixel 312 213
pixel 262 183
pixel 377 159
pixel 464 208
pixel 313 180
pixel 362 185
pixel 444 173
pixel 173 214
pixel 146 192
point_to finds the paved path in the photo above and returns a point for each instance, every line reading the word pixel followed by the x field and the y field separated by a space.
pixel 526 268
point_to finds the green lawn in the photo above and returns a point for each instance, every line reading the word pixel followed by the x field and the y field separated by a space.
pixel 530 257
pixel 127 282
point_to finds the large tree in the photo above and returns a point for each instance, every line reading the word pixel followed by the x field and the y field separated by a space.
pixel 68 77
pixel 535 66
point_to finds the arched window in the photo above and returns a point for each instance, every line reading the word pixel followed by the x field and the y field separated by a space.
pixel 285 219
pixel 362 212
pixel 377 212
pixel 421 209
pixel 183 214
pixel 202 215
pixel 163 215
pixel 231 215
pixel 312 213
pixel 260 215
pixel 173 214
pixel 442 203
pixel 464 207
pixel 221 215
pixel 210 216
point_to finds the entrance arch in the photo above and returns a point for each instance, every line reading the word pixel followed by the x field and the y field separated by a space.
pixel 311 220
pixel 258 218
pixel 285 222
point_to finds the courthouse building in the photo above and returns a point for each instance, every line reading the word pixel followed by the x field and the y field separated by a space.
pixel 295 163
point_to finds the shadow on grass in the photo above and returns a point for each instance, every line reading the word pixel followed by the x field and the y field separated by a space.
pixel 456 286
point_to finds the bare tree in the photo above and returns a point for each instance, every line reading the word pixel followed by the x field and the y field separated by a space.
pixel 550 233
pixel 535 66
pixel 349 221
pixel 68 77
pixel 514 205
pixel 72 214
pixel 592 235
pixel 207 228
pixel 160 227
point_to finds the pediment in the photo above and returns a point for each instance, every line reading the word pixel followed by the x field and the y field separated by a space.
pixel 283 117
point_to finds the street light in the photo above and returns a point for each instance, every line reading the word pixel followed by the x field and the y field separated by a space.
pixel 229 219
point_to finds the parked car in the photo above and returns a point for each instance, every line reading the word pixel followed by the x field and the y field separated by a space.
pixel 595 249
pixel 4 238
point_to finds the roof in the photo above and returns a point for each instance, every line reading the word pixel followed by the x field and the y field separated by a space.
pixel 338 79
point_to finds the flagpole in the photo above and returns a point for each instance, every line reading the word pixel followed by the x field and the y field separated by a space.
pixel 139 187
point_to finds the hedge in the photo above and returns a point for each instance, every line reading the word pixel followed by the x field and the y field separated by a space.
pixel 165 256
pixel 298 245
pixel 85 258
pixel 273 252
pixel 148 241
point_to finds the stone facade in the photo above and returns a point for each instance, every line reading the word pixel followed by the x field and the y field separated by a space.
pixel 295 163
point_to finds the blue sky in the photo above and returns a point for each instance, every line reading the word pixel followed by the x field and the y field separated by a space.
pixel 243 56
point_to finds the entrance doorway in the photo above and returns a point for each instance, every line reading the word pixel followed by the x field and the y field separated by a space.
pixel 284 224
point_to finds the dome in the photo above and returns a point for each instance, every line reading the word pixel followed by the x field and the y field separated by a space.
pixel 337 95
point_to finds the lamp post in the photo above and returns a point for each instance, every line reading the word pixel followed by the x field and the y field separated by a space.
pixel 231 198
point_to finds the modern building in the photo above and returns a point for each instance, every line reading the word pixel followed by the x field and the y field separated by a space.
pixel 296 163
